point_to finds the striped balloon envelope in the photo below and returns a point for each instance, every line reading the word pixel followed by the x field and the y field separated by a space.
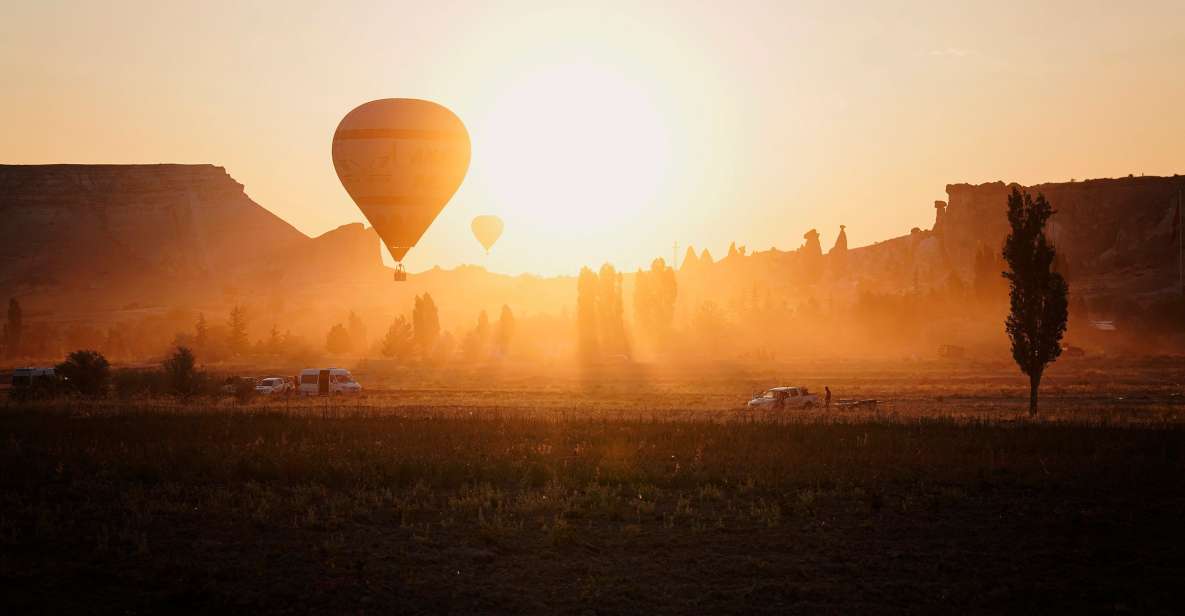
pixel 401 160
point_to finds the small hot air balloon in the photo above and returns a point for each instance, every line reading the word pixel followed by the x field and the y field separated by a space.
pixel 401 160
pixel 487 229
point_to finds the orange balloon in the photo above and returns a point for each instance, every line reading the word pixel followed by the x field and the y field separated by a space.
pixel 401 160
pixel 487 229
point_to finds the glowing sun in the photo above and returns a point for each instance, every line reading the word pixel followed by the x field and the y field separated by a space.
pixel 573 147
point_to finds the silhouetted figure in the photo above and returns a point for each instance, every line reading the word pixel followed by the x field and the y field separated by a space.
pixel 827 396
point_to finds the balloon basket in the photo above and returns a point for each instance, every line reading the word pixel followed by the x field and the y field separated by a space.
pixel 400 273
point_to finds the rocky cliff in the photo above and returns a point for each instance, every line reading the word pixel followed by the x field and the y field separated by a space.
pixel 92 245
pixel 1115 236
pixel 88 243
pixel 78 226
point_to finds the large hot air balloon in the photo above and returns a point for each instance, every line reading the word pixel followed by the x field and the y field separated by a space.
pixel 401 160
pixel 487 229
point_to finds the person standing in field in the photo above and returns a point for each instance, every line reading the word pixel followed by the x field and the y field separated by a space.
pixel 826 396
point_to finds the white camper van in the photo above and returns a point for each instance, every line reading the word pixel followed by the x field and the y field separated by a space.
pixel 28 377
pixel 325 381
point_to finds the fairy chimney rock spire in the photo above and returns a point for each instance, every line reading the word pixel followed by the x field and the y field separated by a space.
pixel 841 241
pixel 939 216
pixel 812 247
pixel 689 259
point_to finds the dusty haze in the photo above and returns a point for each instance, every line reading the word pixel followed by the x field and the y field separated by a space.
pixel 623 124
pixel 127 259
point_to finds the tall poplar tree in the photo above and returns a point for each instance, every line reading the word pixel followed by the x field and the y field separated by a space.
pixel 1037 293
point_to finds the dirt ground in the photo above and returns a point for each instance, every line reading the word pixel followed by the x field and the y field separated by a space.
pixel 1077 390
pixel 616 489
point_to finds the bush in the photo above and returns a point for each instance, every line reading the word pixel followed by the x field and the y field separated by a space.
pixel 130 383
pixel 86 372
pixel 184 380
pixel 244 390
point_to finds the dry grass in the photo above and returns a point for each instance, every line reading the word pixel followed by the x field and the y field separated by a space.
pixel 543 492
pixel 1090 391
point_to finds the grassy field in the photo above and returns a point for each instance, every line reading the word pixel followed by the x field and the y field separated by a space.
pixel 622 490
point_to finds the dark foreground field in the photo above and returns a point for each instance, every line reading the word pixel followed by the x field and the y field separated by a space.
pixel 261 511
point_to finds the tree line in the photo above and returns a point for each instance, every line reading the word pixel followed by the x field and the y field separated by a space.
pixel 600 310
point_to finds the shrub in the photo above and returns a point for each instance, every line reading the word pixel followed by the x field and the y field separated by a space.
pixel 244 390
pixel 184 380
pixel 130 383
pixel 86 372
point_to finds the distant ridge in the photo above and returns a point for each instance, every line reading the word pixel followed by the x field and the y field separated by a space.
pixel 104 224
pixel 92 237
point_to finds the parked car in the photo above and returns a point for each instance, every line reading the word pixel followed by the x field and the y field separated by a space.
pixel 325 381
pixel 782 398
pixel 235 384
pixel 273 385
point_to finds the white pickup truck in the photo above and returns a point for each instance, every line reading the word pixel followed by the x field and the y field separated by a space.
pixel 273 385
pixel 780 398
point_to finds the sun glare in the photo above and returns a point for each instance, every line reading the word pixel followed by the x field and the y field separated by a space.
pixel 573 146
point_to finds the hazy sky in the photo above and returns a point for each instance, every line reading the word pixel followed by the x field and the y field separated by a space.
pixel 608 131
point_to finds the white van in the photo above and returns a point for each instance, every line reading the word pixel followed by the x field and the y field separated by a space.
pixel 325 381
pixel 28 377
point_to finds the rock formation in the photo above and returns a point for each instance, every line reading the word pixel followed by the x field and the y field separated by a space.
pixel 841 242
pixel 86 225
pixel 838 255
pixel 82 239
pixel 939 216
pixel 811 247
pixel 810 257
pixel 1115 234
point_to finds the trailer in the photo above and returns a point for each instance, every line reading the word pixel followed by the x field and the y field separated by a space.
pixel 852 404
